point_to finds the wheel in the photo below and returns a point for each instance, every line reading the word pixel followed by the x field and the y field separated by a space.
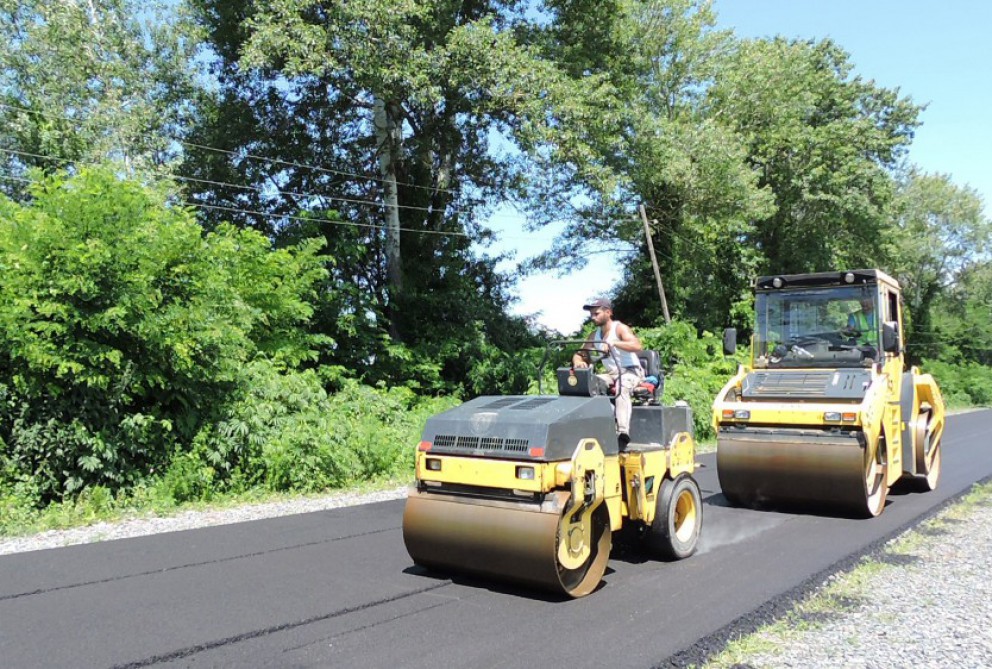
pixel 584 578
pixel 876 486
pixel 678 518
pixel 927 455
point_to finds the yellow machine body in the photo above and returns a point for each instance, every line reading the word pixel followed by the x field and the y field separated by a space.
pixel 538 518
pixel 821 416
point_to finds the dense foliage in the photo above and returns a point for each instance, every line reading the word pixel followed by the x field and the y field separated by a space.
pixel 123 324
pixel 244 245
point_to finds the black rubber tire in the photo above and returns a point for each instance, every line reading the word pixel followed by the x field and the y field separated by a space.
pixel 678 519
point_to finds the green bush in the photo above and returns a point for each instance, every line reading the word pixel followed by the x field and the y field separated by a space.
pixel 964 383
pixel 123 326
pixel 283 432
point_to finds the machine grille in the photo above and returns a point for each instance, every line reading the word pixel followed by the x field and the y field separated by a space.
pixel 788 384
pixel 451 442
pixel 532 404
pixel 445 441
pixel 502 403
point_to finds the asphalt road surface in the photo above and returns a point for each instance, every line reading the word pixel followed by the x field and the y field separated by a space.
pixel 337 589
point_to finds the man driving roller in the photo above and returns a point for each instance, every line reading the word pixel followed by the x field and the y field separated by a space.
pixel 610 333
pixel 862 324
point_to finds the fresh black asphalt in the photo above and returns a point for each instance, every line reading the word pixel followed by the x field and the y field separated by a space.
pixel 337 589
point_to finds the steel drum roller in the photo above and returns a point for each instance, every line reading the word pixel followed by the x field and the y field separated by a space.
pixel 795 466
pixel 511 541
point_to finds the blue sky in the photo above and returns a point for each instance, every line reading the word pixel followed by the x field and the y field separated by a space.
pixel 938 53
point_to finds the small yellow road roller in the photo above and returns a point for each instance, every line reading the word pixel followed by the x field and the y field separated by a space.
pixel 529 489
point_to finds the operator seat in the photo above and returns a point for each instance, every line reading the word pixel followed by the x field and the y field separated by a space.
pixel 651 364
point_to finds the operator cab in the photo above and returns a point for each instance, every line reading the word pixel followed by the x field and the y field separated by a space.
pixel 828 320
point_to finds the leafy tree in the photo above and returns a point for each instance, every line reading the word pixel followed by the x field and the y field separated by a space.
pixel 304 83
pixel 123 326
pixel 942 235
pixel 824 141
pixel 87 81
pixel 643 137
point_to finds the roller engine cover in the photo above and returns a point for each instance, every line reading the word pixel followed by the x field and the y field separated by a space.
pixel 543 428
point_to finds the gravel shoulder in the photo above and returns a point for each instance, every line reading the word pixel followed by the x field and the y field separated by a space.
pixel 143 526
pixel 924 599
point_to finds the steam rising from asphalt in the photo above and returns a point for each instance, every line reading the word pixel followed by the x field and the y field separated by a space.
pixel 732 526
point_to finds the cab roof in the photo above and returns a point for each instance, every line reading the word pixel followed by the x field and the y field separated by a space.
pixel 837 278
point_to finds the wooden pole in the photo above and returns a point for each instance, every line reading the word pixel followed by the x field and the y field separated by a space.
pixel 654 264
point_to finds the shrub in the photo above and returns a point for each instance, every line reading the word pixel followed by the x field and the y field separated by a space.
pixel 696 369
pixel 283 432
pixel 123 325
pixel 964 383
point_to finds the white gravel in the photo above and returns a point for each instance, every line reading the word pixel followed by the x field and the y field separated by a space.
pixel 934 610
pixel 138 527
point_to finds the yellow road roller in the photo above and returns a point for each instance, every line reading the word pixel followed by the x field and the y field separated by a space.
pixel 826 414
pixel 530 488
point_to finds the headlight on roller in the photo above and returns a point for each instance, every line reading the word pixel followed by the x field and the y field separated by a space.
pixel 524 472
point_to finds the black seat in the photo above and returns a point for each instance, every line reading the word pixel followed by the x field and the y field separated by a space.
pixel 651 364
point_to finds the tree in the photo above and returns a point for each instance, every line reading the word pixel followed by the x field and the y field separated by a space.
pixel 825 142
pixel 302 84
pixel 650 141
pixel 88 81
pixel 940 246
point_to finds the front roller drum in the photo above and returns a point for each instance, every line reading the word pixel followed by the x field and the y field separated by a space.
pixel 518 542
pixel 778 466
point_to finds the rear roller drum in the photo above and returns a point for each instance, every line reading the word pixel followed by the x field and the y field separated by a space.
pixel 674 534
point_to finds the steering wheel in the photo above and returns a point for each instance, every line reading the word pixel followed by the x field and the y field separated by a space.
pixel 851 332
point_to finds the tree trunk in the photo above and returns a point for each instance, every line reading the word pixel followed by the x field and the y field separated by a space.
pixel 388 134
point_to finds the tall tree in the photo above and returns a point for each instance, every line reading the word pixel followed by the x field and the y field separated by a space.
pixel 84 81
pixel 943 237
pixel 643 137
pixel 825 142
pixel 304 84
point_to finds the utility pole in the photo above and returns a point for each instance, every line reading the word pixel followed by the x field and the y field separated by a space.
pixel 654 264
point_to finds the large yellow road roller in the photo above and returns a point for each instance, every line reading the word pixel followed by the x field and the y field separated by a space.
pixel 530 488
pixel 826 414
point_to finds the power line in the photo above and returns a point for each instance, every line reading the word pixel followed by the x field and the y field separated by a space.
pixel 326 170
pixel 251 156
pixel 371 226
pixel 265 214
pixel 357 201
pixel 258 189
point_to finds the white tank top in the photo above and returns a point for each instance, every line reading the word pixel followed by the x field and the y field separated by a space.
pixel 626 358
